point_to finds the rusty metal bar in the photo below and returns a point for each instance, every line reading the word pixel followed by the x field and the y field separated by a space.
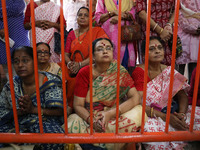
pixel 172 65
pixel 196 85
pixel 63 65
pixel 5 22
pixel 146 63
pixel 100 137
pixel 36 65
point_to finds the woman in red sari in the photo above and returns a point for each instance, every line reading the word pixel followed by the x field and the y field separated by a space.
pixel 77 49
pixel 47 21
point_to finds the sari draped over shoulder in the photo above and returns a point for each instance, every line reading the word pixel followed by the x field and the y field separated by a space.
pixel 51 12
pixel 104 98
pixel 81 44
pixel 105 87
pixel 158 88
pixel 157 97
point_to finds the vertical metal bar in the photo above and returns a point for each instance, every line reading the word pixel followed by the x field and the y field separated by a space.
pixel 196 85
pixel 118 64
pixel 36 65
pixel 5 23
pixel 172 65
pixel 146 62
pixel 91 61
pixel 63 65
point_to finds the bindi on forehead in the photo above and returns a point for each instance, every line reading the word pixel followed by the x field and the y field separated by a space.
pixel 103 43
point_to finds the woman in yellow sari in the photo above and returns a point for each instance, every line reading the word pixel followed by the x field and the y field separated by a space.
pixel 104 95
pixel 76 50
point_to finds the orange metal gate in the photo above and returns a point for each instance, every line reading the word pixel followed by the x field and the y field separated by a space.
pixel 116 137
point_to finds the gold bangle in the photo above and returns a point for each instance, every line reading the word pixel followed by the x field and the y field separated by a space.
pixel 161 30
pixel 120 112
pixel 151 112
pixel 155 26
pixel 42 112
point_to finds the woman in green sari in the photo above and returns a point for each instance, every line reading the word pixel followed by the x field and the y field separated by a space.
pixel 104 95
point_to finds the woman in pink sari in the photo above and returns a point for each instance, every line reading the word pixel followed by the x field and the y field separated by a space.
pixel 188 31
pixel 47 21
pixel 157 97
pixel 106 15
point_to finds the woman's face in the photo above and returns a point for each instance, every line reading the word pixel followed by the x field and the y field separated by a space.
pixel 83 17
pixel 23 63
pixel 103 52
pixel 43 54
pixel 156 51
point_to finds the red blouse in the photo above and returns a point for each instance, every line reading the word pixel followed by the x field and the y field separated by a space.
pixel 138 78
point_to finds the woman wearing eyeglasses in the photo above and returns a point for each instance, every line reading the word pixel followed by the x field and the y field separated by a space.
pixel 104 95
pixel 44 64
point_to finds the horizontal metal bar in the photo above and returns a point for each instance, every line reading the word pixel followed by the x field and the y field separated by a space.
pixel 99 137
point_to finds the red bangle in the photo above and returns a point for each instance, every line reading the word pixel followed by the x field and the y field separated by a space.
pixel 87 119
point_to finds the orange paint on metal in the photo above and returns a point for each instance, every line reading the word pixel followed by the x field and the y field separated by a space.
pixel 146 62
pixel 172 64
pixel 36 65
pixel 63 65
pixel 5 23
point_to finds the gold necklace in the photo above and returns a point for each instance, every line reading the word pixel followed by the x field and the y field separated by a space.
pixel 156 88
pixel 80 42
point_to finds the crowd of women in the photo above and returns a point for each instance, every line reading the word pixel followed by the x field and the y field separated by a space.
pixel 104 70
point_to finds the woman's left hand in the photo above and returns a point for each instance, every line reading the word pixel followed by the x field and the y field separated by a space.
pixel 105 118
pixel 114 20
pixel 25 104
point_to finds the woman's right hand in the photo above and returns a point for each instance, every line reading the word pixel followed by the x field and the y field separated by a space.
pixel 74 67
pixel 177 123
pixel 39 23
pixel 165 34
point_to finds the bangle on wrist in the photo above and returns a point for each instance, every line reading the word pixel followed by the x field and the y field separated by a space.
pixel 87 120
pixel 169 24
pixel 68 64
pixel 161 30
pixel 42 112
pixel 155 26
pixel 151 112
pixel 80 65
pixel 109 14
pixel 120 112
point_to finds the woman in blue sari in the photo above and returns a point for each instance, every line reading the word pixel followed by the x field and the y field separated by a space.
pixel 26 101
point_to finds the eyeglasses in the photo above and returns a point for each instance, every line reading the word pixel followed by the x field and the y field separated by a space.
pixel 46 53
pixel 153 48
pixel 101 49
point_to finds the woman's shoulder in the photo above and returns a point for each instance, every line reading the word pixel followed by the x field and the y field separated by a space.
pixel 84 70
pixel 163 67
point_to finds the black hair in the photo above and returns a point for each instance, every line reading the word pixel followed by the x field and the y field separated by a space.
pixel 143 45
pixel 97 40
pixel 27 49
pixel 40 43
pixel 83 7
